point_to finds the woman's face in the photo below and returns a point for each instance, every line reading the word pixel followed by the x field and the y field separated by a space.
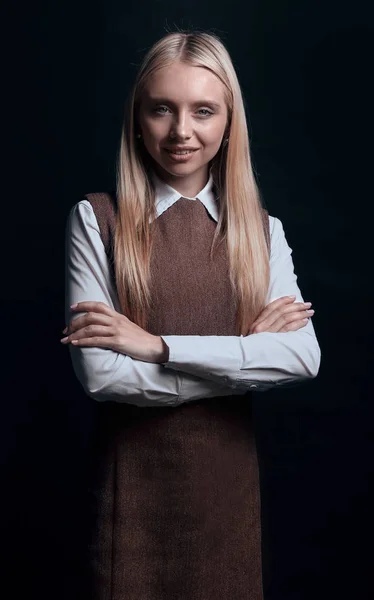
pixel 183 108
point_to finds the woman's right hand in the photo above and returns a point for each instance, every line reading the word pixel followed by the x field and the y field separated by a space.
pixel 281 315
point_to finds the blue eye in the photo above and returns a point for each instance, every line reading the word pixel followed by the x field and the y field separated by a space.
pixel 158 108
pixel 162 110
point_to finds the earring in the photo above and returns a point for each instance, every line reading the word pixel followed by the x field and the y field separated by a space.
pixel 226 141
pixel 138 135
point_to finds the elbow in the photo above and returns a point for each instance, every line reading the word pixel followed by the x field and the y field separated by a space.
pixel 132 393
pixel 104 389
pixel 314 362
pixel 119 379
pixel 90 386
pixel 99 394
pixel 317 361
pixel 306 368
pixel 86 373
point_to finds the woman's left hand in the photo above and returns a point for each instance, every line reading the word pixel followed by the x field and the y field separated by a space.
pixel 104 327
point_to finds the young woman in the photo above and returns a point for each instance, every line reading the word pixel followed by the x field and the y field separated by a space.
pixel 186 302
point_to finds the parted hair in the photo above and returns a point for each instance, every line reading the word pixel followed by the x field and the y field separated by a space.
pixel 240 224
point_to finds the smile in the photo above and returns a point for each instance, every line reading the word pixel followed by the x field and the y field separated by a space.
pixel 180 152
pixel 185 152
pixel 180 155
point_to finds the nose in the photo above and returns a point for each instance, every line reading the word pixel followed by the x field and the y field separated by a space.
pixel 181 127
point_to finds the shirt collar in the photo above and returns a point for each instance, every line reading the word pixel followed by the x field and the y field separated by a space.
pixel 166 196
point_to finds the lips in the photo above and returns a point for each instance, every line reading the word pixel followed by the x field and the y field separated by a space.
pixel 179 149
pixel 181 156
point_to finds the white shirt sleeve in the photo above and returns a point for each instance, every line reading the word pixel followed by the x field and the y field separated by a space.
pixel 106 375
pixel 259 361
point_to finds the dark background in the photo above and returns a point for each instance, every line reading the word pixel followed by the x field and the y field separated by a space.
pixel 306 70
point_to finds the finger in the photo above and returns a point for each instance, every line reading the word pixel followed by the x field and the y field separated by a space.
pixel 284 300
pixel 288 320
pixel 279 303
pixel 87 319
pixel 269 319
pixel 295 326
pixel 290 316
pixel 279 311
pixel 90 331
pixel 97 341
pixel 99 307
pixel 277 324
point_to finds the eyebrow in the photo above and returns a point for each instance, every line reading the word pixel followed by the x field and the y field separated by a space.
pixel 197 103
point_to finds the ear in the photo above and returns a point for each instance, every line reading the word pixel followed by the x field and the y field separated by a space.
pixel 138 133
pixel 137 128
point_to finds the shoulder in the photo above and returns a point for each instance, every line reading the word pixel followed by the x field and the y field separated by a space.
pixel 94 205
pixel 274 223
pixel 101 197
pixel 277 235
pixel 89 224
pixel 82 218
pixel 278 240
pixel 95 200
pixel 276 227
pixel 102 202
pixel 82 209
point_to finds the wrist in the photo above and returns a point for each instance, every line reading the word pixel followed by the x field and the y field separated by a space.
pixel 161 350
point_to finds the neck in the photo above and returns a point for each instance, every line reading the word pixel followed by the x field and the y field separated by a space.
pixel 186 185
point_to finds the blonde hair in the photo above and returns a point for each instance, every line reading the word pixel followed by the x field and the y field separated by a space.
pixel 240 222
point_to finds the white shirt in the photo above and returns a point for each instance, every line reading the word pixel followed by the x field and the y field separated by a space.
pixel 198 366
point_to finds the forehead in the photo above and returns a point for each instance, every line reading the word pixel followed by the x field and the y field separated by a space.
pixel 184 83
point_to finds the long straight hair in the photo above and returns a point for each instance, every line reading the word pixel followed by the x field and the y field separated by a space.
pixel 240 223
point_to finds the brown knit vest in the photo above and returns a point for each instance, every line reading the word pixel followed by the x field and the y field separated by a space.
pixel 176 489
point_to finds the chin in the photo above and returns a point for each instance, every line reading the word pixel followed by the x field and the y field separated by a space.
pixel 191 165
pixel 181 170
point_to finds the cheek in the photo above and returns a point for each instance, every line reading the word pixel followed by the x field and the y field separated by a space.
pixel 153 131
pixel 213 137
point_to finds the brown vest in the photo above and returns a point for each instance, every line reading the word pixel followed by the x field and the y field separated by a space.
pixel 176 489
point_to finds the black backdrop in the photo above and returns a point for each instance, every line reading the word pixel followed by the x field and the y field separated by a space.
pixel 306 72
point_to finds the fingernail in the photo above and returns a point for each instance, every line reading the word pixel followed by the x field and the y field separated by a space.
pixel 65 330
pixel 292 296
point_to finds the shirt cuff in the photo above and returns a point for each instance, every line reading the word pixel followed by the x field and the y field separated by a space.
pixel 218 358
